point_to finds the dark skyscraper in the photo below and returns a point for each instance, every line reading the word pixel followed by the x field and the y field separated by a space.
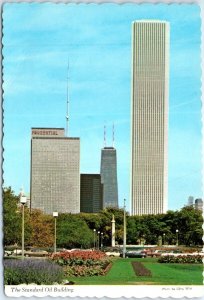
pixel 109 177
pixel 91 193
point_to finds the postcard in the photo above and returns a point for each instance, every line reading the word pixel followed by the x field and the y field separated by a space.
pixel 102 149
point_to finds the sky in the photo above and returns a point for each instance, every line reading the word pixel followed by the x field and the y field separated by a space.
pixel 38 41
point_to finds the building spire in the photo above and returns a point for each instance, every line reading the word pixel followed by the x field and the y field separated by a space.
pixel 113 135
pixel 67 112
pixel 104 136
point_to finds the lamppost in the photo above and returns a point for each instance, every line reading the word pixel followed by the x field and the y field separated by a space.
pixel 98 239
pixel 94 238
pixel 164 238
pixel 177 231
pixel 124 231
pixel 23 202
pixel 55 215
pixel 101 240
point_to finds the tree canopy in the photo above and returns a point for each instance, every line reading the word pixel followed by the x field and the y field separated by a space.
pixel 76 230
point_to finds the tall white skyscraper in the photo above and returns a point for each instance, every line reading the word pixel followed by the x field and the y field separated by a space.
pixel 150 85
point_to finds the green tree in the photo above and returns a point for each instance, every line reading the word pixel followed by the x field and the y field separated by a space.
pixel 92 220
pixel 11 218
pixel 132 230
pixel 190 226
pixel 73 232
pixel 106 215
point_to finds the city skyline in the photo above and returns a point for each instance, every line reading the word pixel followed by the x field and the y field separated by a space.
pixel 38 41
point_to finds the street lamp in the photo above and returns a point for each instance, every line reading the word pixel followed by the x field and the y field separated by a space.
pixel 164 238
pixel 98 238
pixel 124 231
pixel 23 201
pixel 94 231
pixel 177 231
pixel 55 215
pixel 101 240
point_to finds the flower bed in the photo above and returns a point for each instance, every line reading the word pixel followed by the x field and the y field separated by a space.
pixel 140 269
pixel 181 259
pixel 32 271
pixel 78 257
pixel 82 263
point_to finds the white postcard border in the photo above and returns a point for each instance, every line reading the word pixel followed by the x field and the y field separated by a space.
pixel 112 292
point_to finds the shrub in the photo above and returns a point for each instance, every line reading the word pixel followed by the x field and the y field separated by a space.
pixel 82 263
pixel 140 269
pixel 78 257
pixel 181 259
pixel 88 258
pixel 79 271
pixel 32 271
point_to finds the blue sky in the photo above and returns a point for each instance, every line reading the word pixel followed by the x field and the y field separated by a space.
pixel 39 39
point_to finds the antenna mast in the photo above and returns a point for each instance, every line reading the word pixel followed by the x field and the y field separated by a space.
pixel 67 114
pixel 104 136
pixel 113 135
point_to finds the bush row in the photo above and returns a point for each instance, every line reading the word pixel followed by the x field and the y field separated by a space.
pixel 181 259
pixel 140 269
pixel 82 263
pixel 79 258
pixel 79 271
pixel 32 271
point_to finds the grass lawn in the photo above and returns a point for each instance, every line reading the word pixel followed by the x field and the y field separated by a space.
pixel 162 274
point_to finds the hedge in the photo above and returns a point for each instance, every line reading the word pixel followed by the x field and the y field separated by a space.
pixel 181 259
pixel 82 263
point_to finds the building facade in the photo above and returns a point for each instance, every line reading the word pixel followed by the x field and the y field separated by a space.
pixel 55 171
pixel 109 177
pixel 190 201
pixel 199 204
pixel 91 193
pixel 149 113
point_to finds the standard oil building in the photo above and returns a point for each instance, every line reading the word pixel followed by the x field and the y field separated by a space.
pixel 150 86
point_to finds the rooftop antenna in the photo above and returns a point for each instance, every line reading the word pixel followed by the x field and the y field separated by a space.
pixel 67 114
pixel 113 135
pixel 104 136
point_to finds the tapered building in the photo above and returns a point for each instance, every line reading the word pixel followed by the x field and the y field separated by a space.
pixel 55 173
pixel 109 177
pixel 149 113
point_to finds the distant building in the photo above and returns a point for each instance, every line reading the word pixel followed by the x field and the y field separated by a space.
pixel 190 201
pixel 109 177
pixel 28 200
pixel 91 193
pixel 55 174
pixel 199 204
pixel 149 113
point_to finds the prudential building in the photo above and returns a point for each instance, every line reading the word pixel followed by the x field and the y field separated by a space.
pixel 149 112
